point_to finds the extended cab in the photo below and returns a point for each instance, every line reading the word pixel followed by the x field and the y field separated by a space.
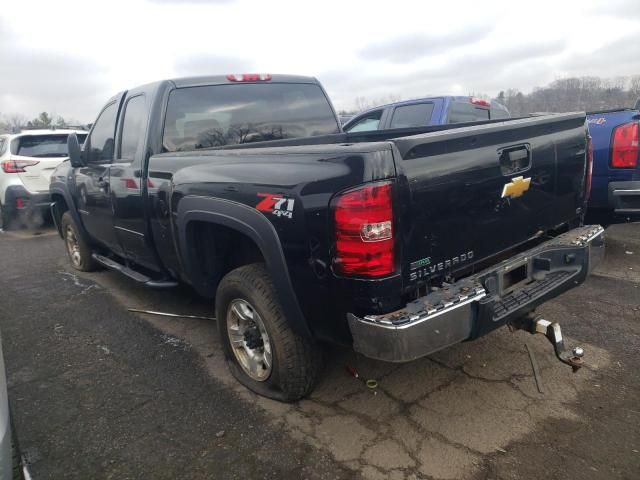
pixel 422 112
pixel 396 242
pixel 616 164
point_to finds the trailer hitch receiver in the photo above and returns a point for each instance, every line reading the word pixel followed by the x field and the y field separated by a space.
pixel 551 330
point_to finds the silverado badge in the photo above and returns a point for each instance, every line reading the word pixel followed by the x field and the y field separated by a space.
pixel 516 187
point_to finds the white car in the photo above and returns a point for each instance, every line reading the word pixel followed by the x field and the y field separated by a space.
pixel 27 160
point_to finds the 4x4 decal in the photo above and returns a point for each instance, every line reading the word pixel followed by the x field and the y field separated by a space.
pixel 276 204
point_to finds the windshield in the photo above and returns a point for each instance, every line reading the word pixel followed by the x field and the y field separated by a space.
pixel 217 115
pixel 43 145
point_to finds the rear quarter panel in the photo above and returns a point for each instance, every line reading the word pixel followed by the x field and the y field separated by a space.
pixel 305 177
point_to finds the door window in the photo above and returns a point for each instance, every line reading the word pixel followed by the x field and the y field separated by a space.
pixel 101 140
pixel 133 127
pixel 366 123
pixel 416 115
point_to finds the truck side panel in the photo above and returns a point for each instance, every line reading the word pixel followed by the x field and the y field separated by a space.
pixel 302 181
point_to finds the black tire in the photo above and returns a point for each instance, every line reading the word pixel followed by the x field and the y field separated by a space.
pixel 296 360
pixel 16 461
pixel 80 253
pixel 5 218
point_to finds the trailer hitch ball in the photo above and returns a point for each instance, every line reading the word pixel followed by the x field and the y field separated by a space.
pixel 551 330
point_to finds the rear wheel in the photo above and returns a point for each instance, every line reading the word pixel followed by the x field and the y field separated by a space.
pixel 262 350
pixel 5 217
pixel 77 249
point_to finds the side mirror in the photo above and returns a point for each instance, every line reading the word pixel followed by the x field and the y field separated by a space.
pixel 75 153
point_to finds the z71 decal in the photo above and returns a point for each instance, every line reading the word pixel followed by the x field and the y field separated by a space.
pixel 276 204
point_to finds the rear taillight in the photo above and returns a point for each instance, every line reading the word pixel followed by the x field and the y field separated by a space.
pixel 624 149
pixel 589 173
pixel 17 166
pixel 364 231
pixel 249 77
pixel 129 183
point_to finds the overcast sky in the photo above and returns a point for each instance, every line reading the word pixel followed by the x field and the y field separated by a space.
pixel 68 57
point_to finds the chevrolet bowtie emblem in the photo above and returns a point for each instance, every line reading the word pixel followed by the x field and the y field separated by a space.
pixel 516 187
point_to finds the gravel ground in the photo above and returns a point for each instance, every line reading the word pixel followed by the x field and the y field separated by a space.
pixel 99 392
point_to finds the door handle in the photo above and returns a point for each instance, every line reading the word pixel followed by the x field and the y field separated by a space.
pixel 514 159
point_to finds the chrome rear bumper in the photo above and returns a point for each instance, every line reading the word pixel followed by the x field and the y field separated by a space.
pixel 482 302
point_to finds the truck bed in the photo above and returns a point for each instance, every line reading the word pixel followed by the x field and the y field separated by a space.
pixel 451 213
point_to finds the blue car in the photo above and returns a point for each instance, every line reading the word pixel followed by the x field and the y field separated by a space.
pixel 426 111
pixel 615 190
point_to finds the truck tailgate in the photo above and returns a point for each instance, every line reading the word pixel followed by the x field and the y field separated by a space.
pixel 474 192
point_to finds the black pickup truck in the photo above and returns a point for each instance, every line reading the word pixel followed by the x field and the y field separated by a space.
pixel 398 243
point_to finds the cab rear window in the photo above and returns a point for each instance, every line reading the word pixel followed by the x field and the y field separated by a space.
pixel 417 115
pixel 43 145
pixel 461 112
pixel 219 115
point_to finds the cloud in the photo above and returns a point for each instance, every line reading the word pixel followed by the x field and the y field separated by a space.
pixel 32 81
pixel 467 71
pixel 489 66
pixel 190 2
pixel 478 50
pixel 616 58
pixel 626 9
pixel 417 45
pixel 210 65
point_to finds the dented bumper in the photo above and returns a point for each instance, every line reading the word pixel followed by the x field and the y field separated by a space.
pixel 480 303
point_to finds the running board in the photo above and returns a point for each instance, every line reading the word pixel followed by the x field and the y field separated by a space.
pixel 134 275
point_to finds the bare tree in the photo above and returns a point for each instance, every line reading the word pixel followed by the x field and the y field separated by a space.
pixel 574 94
pixel 43 120
pixel 16 121
pixel 365 103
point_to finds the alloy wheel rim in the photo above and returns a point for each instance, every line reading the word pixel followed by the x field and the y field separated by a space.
pixel 73 247
pixel 249 340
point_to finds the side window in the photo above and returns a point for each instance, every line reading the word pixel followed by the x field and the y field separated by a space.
pixel 101 138
pixel 416 115
pixel 367 123
pixel 133 127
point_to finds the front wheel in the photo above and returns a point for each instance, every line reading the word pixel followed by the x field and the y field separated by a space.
pixel 262 350
pixel 77 249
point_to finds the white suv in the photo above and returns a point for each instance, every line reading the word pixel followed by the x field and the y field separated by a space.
pixel 27 160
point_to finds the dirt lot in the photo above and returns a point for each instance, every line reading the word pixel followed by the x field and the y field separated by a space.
pixel 98 392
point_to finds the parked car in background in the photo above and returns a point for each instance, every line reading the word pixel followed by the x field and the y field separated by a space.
pixel 27 160
pixel 426 111
pixel 615 192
